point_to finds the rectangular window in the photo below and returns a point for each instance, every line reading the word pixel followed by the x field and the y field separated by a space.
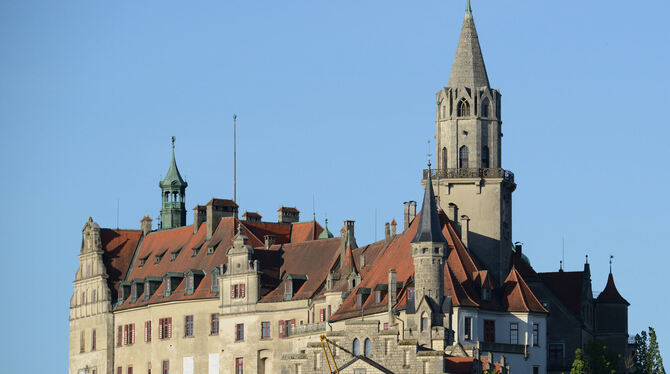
pixel 489 331
pixel 536 370
pixel 130 370
pixel 188 326
pixel 119 370
pixel 93 340
pixel 239 365
pixel 281 329
pixel 166 367
pixel 359 300
pixel 214 328
pixel 514 333
pixel 556 354
pixel 467 328
pixel 149 367
pixel 386 325
pixel 239 332
pixel 536 335
pixel 165 328
pixel 378 297
pixel 242 291
pixel 147 331
pixel 125 334
pixel 265 330
pixel 82 342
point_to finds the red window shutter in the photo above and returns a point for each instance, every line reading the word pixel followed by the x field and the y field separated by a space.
pixel 242 290
pixel 281 329
pixel 322 315
pixel 169 322
pixel 125 334
pixel 232 291
pixel 160 328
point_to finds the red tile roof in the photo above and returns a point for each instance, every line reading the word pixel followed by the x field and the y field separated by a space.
pixel 119 247
pixel 304 231
pixel 610 294
pixel 517 296
pixel 459 365
pixel 567 286
pixel 222 202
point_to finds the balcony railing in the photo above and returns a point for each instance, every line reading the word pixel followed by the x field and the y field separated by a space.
pixel 519 349
pixel 470 173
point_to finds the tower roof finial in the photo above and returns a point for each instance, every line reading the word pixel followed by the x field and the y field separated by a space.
pixel 173 177
pixel 173 139
pixel 468 8
pixel 611 258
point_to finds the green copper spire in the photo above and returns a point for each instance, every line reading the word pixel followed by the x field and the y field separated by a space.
pixel 326 234
pixel 468 8
pixel 173 191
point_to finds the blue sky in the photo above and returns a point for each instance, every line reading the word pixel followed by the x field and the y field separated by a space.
pixel 335 103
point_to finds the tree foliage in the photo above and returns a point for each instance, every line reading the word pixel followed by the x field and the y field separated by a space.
pixel 646 354
pixel 595 359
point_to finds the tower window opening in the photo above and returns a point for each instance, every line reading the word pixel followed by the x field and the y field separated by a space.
pixel 486 104
pixel 356 347
pixel 367 347
pixel 463 108
pixel 485 157
pixel 463 158
pixel 424 322
pixel 444 158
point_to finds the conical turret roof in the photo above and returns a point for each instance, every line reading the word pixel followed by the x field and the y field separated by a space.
pixel 173 178
pixel 429 229
pixel 610 294
pixel 468 69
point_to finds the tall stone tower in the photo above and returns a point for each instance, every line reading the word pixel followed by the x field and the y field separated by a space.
pixel 173 190
pixel 470 182
pixel 428 251
pixel 91 320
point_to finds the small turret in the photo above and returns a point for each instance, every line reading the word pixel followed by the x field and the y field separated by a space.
pixel 173 190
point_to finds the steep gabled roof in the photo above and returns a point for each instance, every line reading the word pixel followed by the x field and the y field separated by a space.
pixel 517 296
pixel 610 294
pixel 118 247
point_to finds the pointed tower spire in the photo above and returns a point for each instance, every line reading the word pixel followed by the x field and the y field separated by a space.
pixel 429 229
pixel 468 69
pixel 173 191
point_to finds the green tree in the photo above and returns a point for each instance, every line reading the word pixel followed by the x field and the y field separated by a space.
pixel 647 356
pixel 595 359
pixel 579 364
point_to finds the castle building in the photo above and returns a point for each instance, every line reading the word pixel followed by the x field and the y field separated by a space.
pixel 448 293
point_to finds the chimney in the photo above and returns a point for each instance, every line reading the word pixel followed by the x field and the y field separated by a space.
pixel 251 217
pixel 465 229
pixel 518 248
pixel 393 288
pixel 269 241
pixel 145 224
pixel 287 214
pixel 199 217
pixel 217 209
pixel 387 231
pixel 361 262
pixel 452 212
pixel 393 227
pixel 412 210
pixel 406 214
pixel 349 231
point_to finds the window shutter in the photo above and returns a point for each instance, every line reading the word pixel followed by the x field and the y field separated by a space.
pixel 232 291
pixel 281 329
pixel 145 331
pixel 132 333
pixel 242 290
pixel 169 322
pixel 160 328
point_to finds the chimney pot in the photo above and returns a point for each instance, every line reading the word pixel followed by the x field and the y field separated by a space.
pixel 145 224
pixel 465 229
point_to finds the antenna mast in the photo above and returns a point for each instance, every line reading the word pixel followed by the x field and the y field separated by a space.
pixel 235 158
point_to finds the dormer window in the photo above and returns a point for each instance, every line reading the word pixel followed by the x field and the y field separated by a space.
pixel 189 283
pixel 292 285
pixel 168 286
pixel 173 255
pixel 378 297
pixel 133 292
pixel 196 250
pixel 210 250
pixel 359 300
pixel 143 260
pixel 159 257
pixel 288 290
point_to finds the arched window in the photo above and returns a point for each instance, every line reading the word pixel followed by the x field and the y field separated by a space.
pixel 357 347
pixel 463 108
pixel 485 107
pixel 485 157
pixel 367 347
pixel 463 158
pixel 425 324
pixel 444 158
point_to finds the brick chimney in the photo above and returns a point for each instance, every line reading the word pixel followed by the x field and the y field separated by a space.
pixel 394 224
pixel 217 209
pixel 412 211
pixel 387 231
pixel 287 214
pixel 452 212
pixel 269 241
pixel 145 224
pixel 251 217
pixel 393 288
pixel 199 217
pixel 465 229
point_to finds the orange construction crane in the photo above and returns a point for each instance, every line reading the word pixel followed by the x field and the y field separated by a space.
pixel 329 355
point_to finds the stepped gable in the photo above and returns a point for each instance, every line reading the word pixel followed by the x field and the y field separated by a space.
pixel 610 294
pixel 517 296
pixel 118 247
pixel 567 286
pixel 398 255
pixel 314 259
